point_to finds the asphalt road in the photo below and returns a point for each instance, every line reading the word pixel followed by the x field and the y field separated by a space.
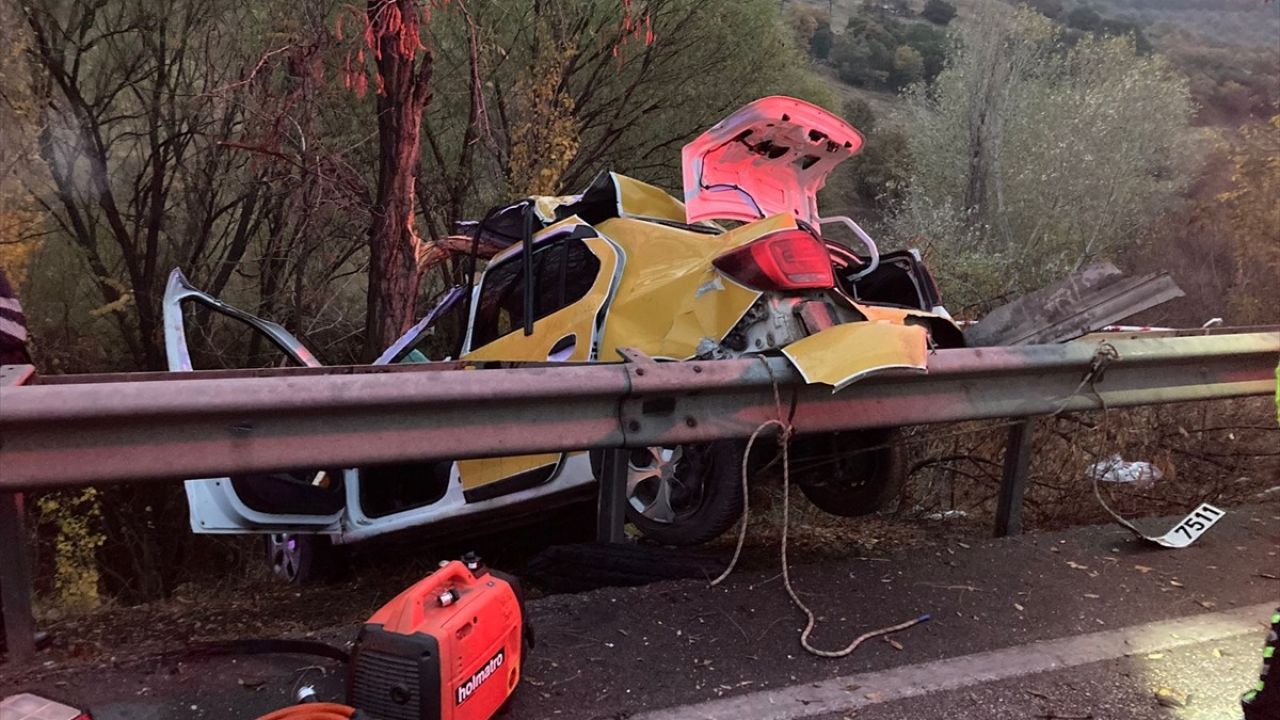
pixel 1208 673
pixel 1092 600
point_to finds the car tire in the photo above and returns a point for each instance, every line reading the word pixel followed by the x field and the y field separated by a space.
pixel 586 566
pixel 301 558
pixel 855 483
pixel 706 486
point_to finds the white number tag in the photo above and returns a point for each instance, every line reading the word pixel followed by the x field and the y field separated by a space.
pixel 1191 527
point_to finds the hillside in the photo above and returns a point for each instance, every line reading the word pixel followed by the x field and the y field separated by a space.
pixel 1226 22
pixel 1253 23
pixel 1228 49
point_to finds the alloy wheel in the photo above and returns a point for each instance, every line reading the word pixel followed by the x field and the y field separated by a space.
pixel 284 550
pixel 662 485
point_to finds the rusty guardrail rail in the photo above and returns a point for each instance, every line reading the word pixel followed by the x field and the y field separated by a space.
pixel 173 426
pixel 68 431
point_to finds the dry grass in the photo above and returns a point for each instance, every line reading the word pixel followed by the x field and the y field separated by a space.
pixel 814 533
pixel 1226 452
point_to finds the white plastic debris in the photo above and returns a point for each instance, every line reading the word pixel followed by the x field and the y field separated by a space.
pixel 1116 469
pixel 947 515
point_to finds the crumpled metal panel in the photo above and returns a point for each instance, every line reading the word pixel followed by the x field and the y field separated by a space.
pixel 1086 301
pixel 843 354
pixel 422 328
pixel 638 199
pixel 671 297
pixel 578 320
pixel 609 195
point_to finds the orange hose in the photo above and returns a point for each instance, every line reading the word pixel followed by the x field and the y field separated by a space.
pixel 311 711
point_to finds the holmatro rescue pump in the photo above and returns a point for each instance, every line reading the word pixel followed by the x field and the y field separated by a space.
pixel 448 648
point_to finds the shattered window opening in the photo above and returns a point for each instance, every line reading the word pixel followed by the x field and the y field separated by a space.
pixel 564 272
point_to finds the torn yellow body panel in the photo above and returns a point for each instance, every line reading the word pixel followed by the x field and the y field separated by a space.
pixel 545 206
pixel 671 297
pixel 577 320
pixel 846 353
pixel 931 321
pixel 638 199
pixel 880 313
pixel 478 473
pixel 634 199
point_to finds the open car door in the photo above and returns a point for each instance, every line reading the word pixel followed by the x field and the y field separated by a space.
pixel 309 499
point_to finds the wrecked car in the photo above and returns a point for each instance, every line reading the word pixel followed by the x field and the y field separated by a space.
pixel 743 265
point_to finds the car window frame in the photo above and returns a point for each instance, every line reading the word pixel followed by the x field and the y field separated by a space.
pixel 557 245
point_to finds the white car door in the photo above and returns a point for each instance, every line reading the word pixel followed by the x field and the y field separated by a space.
pixel 311 500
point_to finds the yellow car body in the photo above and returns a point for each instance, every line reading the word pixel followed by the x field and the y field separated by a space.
pixel 626 265
pixel 657 291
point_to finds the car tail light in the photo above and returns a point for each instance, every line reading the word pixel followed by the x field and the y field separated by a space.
pixel 783 260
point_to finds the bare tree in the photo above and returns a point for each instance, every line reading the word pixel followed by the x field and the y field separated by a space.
pixel 129 134
pixel 404 67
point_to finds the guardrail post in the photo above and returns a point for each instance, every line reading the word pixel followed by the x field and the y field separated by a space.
pixel 15 564
pixel 612 509
pixel 1013 483
pixel 15 581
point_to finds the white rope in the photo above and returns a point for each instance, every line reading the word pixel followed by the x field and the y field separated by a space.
pixel 1103 356
pixel 785 431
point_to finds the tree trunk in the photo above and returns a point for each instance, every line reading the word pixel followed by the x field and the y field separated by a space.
pixel 394 272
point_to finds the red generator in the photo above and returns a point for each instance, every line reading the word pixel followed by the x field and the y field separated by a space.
pixel 448 648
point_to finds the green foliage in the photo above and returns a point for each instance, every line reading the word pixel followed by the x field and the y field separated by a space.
pixel 886 8
pixel 908 66
pixel 870 52
pixel 1051 9
pixel 1254 221
pixel 544 135
pixel 877 177
pixel 1233 23
pixel 1084 18
pixel 934 48
pixel 20 218
pixel 1031 158
pixel 153 159
pixel 938 12
pixel 1130 28
pixel 820 45
pixel 804 23
pixel 1230 81
pixel 882 170
pixel 632 108
pixel 859 113
pixel 74 519
pixel 1230 85
pixel 1085 21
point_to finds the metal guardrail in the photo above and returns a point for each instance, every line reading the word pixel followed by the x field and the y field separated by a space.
pixel 174 426
pixel 67 431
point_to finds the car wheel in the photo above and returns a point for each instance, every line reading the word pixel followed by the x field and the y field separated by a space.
pixel 300 558
pixel 841 480
pixel 685 494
